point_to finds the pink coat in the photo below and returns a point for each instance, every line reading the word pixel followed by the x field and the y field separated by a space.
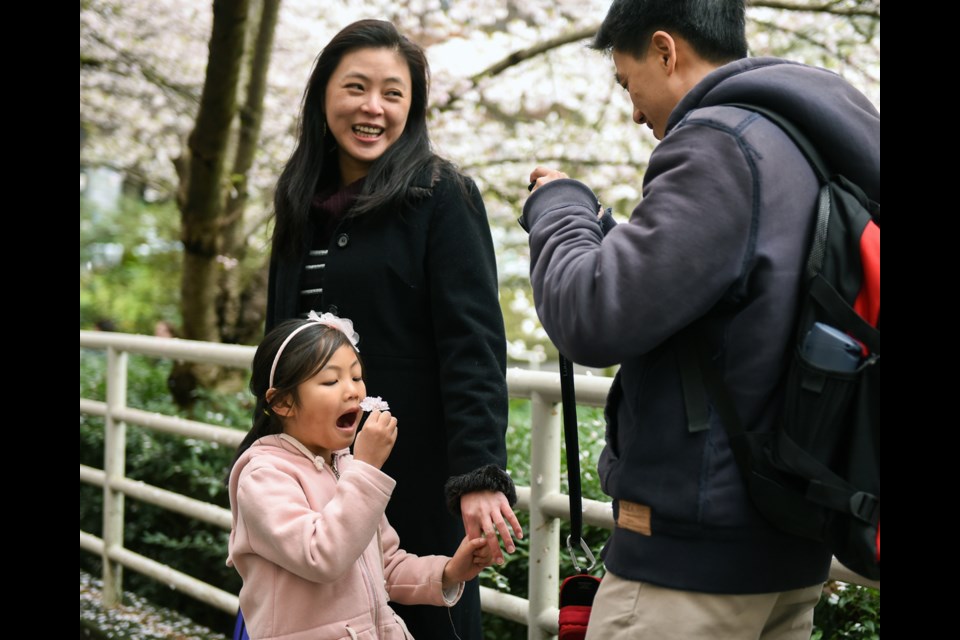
pixel 306 545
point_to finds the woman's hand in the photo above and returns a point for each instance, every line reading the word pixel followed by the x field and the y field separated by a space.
pixel 485 513
pixel 375 441
pixel 471 557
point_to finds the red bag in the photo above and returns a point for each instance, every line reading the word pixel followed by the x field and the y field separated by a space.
pixel 576 601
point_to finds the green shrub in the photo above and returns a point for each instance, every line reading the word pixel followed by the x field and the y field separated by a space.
pixel 187 466
pixel 128 258
pixel 847 611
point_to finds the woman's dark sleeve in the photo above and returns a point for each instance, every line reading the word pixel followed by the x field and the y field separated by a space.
pixel 470 340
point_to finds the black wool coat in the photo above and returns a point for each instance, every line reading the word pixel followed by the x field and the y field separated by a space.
pixel 420 286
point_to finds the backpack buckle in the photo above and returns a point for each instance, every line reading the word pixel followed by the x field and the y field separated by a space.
pixel 865 506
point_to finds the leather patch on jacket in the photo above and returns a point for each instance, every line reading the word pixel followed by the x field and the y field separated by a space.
pixel 634 517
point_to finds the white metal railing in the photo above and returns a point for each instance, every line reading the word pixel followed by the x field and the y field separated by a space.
pixel 543 499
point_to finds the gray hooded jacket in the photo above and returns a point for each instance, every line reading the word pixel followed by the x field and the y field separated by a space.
pixel 721 234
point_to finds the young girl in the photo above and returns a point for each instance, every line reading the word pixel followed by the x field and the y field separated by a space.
pixel 310 540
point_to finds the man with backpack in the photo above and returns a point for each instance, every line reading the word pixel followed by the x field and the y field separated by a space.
pixel 719 243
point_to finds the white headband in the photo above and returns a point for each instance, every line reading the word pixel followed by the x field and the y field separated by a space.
pixel 343 325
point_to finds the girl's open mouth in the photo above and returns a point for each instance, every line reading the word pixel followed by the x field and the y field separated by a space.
pixel 348 420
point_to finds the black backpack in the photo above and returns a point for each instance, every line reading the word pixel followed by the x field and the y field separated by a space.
pixel 817 473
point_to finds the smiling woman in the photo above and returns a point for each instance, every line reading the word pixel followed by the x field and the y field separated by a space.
pixel 372 225
pixel 367 102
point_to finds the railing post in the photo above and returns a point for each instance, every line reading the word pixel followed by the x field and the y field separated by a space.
pixel 544 584
pixel 114 466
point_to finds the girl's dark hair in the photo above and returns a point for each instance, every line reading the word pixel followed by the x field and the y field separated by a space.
pixel 305 355
pixel 391 182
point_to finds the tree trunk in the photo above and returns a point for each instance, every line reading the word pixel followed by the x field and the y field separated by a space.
pixel 238 323
pixel 201 212
pixel 202 201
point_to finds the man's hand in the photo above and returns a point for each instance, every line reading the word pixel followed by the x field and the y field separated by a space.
pixel 484 514
pixel 542 175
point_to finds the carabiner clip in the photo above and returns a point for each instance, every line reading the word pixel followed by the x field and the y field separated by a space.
pixel 588 555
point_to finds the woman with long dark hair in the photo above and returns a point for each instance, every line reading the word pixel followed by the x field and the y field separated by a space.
pixel 372 225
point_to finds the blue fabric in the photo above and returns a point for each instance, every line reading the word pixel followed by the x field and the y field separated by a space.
pixel 240 630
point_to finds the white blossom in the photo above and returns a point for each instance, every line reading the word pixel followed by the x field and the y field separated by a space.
pixel 374 403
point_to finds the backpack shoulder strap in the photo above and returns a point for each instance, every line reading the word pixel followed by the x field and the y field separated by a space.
pixel 799 138
pixel 818 246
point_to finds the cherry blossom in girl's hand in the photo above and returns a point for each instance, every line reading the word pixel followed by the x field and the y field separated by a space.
pixel 374 403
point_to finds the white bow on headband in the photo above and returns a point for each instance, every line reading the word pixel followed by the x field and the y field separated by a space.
pixel 343 325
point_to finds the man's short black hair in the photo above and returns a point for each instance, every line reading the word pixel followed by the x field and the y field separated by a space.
pixel 716 29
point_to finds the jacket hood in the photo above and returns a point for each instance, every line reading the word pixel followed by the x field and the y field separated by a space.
pixel 839 120
pixel 292 450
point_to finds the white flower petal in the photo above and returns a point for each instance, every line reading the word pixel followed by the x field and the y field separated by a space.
pixel 374 403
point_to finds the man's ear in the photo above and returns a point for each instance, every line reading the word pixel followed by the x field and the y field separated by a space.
pixel 284 407
pixel 665 48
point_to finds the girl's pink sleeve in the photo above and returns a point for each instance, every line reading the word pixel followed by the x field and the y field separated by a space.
pixel 414 579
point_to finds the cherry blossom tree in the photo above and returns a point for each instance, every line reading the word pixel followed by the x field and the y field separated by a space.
pixel 513 85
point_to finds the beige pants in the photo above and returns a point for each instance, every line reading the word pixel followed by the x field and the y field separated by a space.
pixel 625 610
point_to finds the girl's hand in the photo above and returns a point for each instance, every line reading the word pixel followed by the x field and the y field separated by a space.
pixel 375 441
pixel 471 557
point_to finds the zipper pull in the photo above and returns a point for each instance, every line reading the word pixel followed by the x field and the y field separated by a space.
pixel 333 466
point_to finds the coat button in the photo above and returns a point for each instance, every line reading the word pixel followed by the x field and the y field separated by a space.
pixel 343 240
pixel 333 309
